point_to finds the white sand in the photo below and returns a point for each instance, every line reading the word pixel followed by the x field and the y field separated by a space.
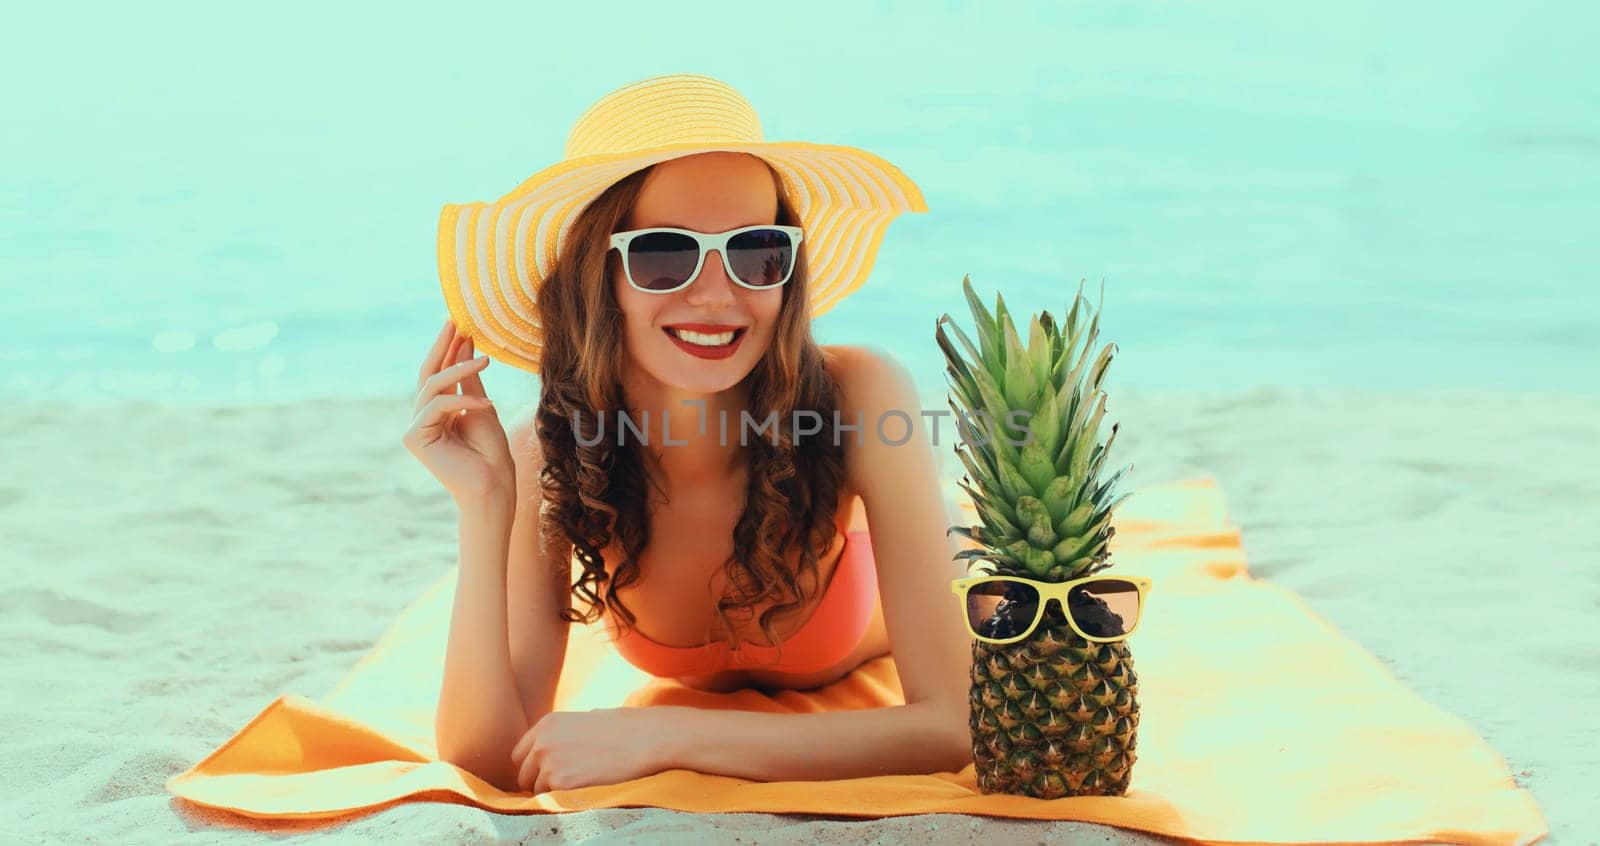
pixel 169 572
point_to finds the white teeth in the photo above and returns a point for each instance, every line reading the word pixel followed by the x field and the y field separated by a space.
pixel 703 339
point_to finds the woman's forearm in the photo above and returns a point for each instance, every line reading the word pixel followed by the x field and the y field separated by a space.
pixel 480 716
pixel 896 740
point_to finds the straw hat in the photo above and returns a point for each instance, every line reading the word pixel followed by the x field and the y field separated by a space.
pixel 493 256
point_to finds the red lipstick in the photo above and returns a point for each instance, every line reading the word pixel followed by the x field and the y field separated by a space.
pixel 699 351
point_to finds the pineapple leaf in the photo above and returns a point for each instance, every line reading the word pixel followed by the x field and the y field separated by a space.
pixel 1057 498
pixel 1070 352
pixel 1067 457
pixel 1085 492
pixel 1012 483
pixel 1000 564
pixel 957 367
pixel 1045 425
pixel 1072 313
pixel 991 531
pixel 988 485
pixel 1075 547
pixel 947 323
pixel 1079 564
pixel 1036 467
pixel 1036 561
pixel 1039 352
pixel 1088 343
pixel 1002 316
pixel 974 534
pixel 1101 451
pixel 1076 521
pixel 1097 569
pixel 1070 394
pixel 1110 483
pixel 995 406
pixel 1098 374
pixel 1053 333
pixel 1080 451
pixel 997 528
pixel 1069 548
pixel 987 478
pixel 1020 388
pixel 1031 512
pixel 981 497
pixel 987 334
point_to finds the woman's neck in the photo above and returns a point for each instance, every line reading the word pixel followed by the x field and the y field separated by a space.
pixel 689 444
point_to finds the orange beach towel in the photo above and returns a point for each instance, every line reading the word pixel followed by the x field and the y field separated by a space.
pixel 1260 724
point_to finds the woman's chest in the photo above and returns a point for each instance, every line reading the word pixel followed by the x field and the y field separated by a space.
pixel 682 573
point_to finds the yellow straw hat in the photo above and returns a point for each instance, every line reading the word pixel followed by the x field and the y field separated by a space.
pixel 493 256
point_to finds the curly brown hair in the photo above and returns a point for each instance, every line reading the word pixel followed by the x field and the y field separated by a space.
pixel 595 494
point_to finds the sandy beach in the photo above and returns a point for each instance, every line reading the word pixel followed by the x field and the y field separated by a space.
pixel 170 571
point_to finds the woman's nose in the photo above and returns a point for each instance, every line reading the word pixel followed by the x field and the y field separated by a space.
pixel 713 284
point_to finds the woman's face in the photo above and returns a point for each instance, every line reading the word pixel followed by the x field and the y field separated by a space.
pixel 707 192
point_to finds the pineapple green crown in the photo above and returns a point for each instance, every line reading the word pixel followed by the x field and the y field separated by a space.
pixel 1044 513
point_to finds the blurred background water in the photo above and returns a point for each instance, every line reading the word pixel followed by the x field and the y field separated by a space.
pixel 221 204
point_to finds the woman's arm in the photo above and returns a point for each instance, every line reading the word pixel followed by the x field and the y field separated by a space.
pixel 480 713
pixel 895 470
pixel 501 669
pixel 899 740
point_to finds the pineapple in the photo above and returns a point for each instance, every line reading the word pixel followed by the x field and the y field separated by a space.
pixel 1052 714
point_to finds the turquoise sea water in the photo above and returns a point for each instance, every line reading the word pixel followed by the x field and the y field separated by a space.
pixel 212 204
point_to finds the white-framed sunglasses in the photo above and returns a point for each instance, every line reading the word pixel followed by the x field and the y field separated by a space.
pixel 663 259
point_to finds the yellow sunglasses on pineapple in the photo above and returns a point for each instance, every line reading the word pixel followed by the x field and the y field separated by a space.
pixel 1006 609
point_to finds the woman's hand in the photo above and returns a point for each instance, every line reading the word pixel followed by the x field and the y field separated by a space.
pixel 566 750
pixel 458 437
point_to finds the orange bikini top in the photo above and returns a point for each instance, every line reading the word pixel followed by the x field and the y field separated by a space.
pixel 833 630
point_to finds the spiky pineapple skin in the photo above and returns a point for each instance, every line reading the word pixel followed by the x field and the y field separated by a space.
pixel 1053 715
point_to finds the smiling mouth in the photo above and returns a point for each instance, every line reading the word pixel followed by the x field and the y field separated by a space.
pixel 706 339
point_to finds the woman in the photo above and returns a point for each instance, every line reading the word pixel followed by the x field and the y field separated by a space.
pixel 721 553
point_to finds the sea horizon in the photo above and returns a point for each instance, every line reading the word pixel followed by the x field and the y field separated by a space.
pixel 1267 197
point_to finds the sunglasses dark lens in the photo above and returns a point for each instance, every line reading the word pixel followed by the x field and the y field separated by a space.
pixel 761 258
pixel 1105 608
pixel 1001 609
pixel 661 261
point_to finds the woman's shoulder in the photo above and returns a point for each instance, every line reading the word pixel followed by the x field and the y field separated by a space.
pixel 877 390
pixel 872 387
pixel 855 360
pixel 864 373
